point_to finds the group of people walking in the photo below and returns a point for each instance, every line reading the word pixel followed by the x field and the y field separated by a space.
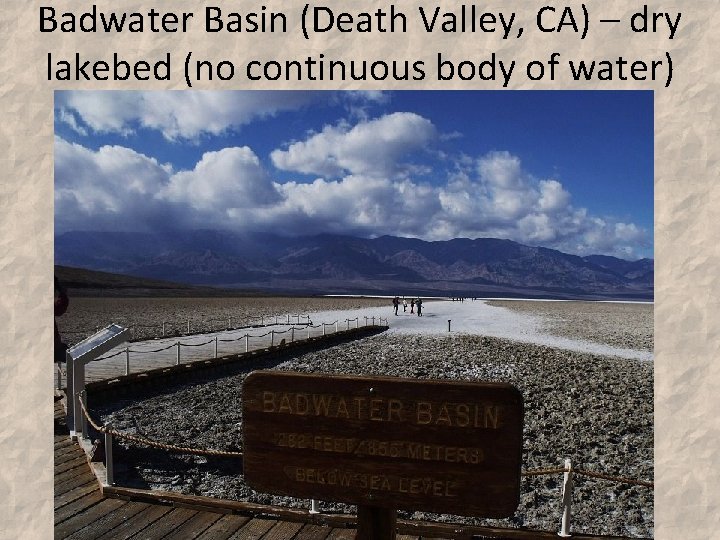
pixel 414 303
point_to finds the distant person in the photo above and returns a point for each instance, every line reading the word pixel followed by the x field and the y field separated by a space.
pixel 412 306
pixel 396 303
pixel 418 303
pixel 61 305
pixel 404 305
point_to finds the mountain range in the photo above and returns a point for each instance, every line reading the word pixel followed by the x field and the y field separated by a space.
pixel 338 264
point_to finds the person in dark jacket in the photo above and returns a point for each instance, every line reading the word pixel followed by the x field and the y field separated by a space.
pixel 61 305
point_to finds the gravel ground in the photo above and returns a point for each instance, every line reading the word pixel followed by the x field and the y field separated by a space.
pixel 597 410
pixel 628 325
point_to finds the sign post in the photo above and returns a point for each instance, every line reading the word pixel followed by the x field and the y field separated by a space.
pixel 78 356
pixel 384 444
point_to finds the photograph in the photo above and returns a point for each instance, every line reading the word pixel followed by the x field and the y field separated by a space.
pixel 320 314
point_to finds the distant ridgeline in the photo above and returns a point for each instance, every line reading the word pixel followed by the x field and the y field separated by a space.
pixel 334 264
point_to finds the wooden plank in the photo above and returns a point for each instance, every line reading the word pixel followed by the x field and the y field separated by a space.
pixel 74 477
pixel 195 526
pixel 224 528
pixel 341 534
pixel 254 529
pixel 78 506
pixel 108 521
pixel 383 441
pixel 166 524
pixel 74 494
pixel 313 532
pixel 283 530
pixel 136 523
pixel 79 461
pixel 84 517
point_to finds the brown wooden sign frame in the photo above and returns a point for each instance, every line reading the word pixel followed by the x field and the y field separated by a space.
pixel 382 442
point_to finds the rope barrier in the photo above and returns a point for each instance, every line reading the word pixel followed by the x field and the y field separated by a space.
pixel 155 444
pixel 591 474
pixel 196 344
pixel 205 452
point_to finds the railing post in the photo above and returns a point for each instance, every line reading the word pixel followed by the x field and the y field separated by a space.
pixel 247 343
pixel 292 334
pixel 373 320
pixel 366 321
pixel 177 362
pixel 357 322
pixel 323 329
pixel 216 343
pixel 314 509
pixel 272 338
pixel 127 360
pixel 566 500
pixel 109 473
pixel 348 323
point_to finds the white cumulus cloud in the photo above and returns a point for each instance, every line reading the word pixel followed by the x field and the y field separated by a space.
pixel 373 147
pixel 177 115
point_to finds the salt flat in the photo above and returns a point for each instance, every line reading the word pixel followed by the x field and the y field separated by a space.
pixel 478 317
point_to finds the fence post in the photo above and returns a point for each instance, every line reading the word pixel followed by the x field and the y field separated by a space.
pixel 292 334
pixel 336 323
pixel 357 322
pixel 566 500
pixel 163 329
pixel 178 354
pixel 262 320
pixel 314 507
pixel 229 323
pixel 247 343
pixel 215 346
pixel 188 326
pixel 366 321
pixel 373 320
pixel 109 473
pixel 449 324
pixel 323 329
pixel 272 338
pixel 288 318
pixel 127 360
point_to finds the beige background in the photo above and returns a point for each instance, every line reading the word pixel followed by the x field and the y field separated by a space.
pixel 687 198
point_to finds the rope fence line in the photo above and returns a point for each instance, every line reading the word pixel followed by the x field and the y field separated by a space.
pixel 206 325
pixel 153 444
pixel 245 336
pixel 205 452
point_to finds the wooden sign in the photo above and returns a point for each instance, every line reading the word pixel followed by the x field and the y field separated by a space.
pixel 439 446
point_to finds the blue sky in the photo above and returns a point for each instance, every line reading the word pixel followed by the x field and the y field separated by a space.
pixel 570 170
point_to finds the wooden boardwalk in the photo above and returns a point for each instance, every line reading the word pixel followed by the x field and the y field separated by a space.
pixel 83 512
pixel 142 356
pixel 86 511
